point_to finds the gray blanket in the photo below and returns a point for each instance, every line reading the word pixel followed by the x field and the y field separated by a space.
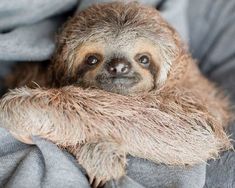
pixel 44 165
pixel 27 29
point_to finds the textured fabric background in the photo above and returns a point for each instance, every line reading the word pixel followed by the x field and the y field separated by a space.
pixel 27 28
pixel 212 42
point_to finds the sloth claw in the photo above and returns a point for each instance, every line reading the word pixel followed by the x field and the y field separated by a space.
pixel 103 161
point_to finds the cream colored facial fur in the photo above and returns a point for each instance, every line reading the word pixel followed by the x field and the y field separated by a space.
pixel 129 51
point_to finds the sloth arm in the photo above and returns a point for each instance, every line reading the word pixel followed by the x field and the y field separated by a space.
pixel 175 132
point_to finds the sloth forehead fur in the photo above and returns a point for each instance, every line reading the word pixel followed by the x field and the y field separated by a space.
pixel 112 36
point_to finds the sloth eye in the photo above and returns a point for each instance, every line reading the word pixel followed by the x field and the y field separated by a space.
pixel 92 60
pixel 144 60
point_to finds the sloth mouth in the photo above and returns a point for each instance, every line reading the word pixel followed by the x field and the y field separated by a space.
pixel 117 84
pixel 126 82
pixel 123 80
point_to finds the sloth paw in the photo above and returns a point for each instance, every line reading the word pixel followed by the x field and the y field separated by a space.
pixel 103 161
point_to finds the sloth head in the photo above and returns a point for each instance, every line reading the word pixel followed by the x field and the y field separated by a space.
pixel 118 47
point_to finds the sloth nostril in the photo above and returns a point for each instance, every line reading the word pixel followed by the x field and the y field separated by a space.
pixel 124 69
pixel 113 69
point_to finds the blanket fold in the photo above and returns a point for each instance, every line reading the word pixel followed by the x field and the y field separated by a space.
pixel 43 165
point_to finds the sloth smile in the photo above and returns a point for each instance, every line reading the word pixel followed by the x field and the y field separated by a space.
pixel 117 83
pixel 123 80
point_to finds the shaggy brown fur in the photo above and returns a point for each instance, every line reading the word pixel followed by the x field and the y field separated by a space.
pixel 180 121
pixel 31 74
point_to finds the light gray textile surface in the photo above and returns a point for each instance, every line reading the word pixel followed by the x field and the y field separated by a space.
pixel 43 165
pixel 27 29
pixel 212 42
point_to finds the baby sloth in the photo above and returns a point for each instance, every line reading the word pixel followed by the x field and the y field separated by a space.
pixel 167 111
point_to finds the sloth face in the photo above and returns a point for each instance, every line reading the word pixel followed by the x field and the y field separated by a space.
pixel 117 47
pixel 116 66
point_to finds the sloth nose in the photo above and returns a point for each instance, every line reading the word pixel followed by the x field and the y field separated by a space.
pixel 118 67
